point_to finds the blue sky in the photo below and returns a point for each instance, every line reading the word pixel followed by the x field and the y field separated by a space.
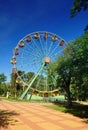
pixel 21 17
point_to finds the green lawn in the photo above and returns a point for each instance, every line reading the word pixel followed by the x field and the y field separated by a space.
pixel 77 109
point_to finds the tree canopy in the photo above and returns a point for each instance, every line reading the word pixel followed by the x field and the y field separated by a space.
pixel 78 5
pixel 72 69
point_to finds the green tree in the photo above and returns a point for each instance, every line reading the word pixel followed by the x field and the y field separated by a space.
pixel 86 29
pixel 3 89
pixel 3 79
pixel 72 69
pixel 64 71
pixel 13 84
pixel 79 53
pixel 78 5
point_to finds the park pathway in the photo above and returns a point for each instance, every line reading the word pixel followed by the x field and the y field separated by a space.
pixel 35 116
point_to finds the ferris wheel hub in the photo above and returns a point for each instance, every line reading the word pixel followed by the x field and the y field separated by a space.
pixel 46 60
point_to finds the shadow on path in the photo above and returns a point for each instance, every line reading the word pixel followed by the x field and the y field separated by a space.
pixel 77 109
pixel 6 118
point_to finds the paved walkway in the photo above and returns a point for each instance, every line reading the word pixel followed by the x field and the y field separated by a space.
pixel 34 116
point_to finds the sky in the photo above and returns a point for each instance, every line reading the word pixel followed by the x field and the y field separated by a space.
pixel 21 17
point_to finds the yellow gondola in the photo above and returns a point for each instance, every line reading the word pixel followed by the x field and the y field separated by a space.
pixel 13 60
pixel 19 80
pixel 54 38
pixel 21 44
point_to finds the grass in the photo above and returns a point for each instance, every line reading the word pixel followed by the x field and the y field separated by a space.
pixel 77 109
pixel 59 108
pixel 12 99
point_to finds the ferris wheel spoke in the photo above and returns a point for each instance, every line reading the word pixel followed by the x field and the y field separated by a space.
pixel 36 46
pixel 46 48
pixel 28 57
pixel 27 53
pixel 32 50
pixel 53 51
pixel 31 63
pixel 49 48
pixel 33 47
pixel 57 53
pixel 42 48
pixel 29 46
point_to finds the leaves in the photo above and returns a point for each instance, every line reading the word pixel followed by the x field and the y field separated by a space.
pixel 78 5
pixel 2 78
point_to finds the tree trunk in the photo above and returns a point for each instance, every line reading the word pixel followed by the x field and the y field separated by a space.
pixel 67 88
pixel 69 101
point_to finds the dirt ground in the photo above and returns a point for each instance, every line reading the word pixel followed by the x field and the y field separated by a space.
pixel 34 116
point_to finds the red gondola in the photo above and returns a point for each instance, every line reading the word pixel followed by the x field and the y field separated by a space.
pixel 16 51
pixel 54 38
pixel 46 94
pixel 45 35
pixel 28 39
pixel 36 35
pixel 61 43
pixel 21 44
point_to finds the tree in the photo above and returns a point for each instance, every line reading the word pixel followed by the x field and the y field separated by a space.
pixel 2 83
pixel 86 29
pixel 72 69
pixel 64 71
pixel 3 89
pixel 13 84
pixel 79 55
pixel 2 78
pixel 15 87
pixel 78 5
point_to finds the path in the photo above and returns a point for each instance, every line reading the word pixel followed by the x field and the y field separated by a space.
pixel 34 116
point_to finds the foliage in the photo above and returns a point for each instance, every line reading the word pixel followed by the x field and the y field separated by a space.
pixel 3 88
pixel 78 5
pixel 86 29
pixel 64 70
pixel 2 78
pixel 72 69
pixel 79 55
pixel 13 84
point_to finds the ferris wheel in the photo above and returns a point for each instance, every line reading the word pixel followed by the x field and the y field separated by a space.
pixel 31 60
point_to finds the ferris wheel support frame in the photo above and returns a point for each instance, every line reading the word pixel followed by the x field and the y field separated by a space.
pixel 31 82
